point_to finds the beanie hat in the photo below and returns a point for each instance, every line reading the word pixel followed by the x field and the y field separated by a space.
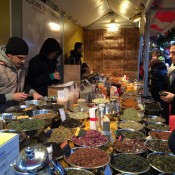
pixel 17 46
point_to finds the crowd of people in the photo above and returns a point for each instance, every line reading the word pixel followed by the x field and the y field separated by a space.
pixel 162 79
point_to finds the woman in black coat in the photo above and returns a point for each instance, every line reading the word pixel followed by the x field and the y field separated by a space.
pixel 42 71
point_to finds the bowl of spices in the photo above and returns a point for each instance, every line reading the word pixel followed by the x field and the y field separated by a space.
pixel 162 135
pixel 32 127
pixel 130 125
pixel 129 146
pixel 157 145
pixel 129 134
pixel 129 163
pixel 162 162
pixel 71 123
pixel 88 158
pixel 156 126
pixel 78 115
pixel 92 138
pixel 153 119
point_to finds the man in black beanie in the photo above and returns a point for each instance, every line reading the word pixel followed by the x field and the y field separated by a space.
pixel 12 73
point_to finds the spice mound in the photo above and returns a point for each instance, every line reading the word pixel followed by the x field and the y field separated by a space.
pixel 26 125
pixel 129 163
pixel 45 116
pixel 78 115
pixel 131 125
pixel 71 123
pixel 164 135
pixel 60 135
pixel 160 127
pixel 129 134
pixel 158 145
pixel 91 138
pixel 162 162
pixel 88 158
pixel 129 146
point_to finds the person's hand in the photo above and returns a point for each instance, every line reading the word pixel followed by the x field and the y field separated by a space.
pixel 20 96
pixel 36 96
pixel 168 98
pixel 56 75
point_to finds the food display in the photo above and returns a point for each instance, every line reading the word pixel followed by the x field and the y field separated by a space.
pixel 80 108
pixel 130 103
pixel 100 101
pixel 130 125
pixel 129 146
pixel 157 126
pixel 78 115
pixel 162 162
pixel 129 134
pixel 26 125
pixel 153 118
pixel 77 171
pixel 71 123
pixel 91 138
pixel 60 135
pixel 45 116
pixel 88 158
pixel 129 163
pixel 163 135
pixel 157 145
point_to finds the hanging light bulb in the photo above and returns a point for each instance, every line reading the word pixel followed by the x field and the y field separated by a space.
pixel 113 26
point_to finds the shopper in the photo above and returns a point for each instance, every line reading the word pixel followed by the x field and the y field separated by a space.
pixel 171 75
pixel 42 71
pixel 76 54
pixel 84 69
pixel 12 74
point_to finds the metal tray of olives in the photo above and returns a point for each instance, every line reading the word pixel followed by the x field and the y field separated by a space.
pixel 77 171
pixel 154 118
pixel 129 134
pixel 14 109
pixel 123 160
pixel 162 162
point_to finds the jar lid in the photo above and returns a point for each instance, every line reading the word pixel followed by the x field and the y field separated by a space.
pixel 32 158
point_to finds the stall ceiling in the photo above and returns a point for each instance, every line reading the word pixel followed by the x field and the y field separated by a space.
pixel 97 14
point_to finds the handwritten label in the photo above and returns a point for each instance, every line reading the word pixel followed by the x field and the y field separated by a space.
pixel 62 114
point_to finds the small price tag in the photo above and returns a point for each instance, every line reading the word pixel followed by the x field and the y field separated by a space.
pixel 62 114
pixel 107 170
pixel 61 94
pixel 87 81
pixel 48 132
pixel 66 148
pixel 82 132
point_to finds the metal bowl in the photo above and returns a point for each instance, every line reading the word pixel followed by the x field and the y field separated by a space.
pixel 158 145
pixel 45 114
pixel 131 125
pixel 154 126
pixel 153 118
pixel 88 168
pixel 116 158
pixel 161 162
pixel 35 102
pixel 8 116
pixel 22 134
pixel 14 109
pixel 30 132
pixel 159 134
pixel 130 133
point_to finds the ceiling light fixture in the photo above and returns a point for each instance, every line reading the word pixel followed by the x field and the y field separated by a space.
pixel 113 26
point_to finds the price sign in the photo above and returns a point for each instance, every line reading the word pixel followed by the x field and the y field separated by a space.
pixel 66 148
pixel 62 114
pixel 48 131
pixel 82 132
pixel 61 94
